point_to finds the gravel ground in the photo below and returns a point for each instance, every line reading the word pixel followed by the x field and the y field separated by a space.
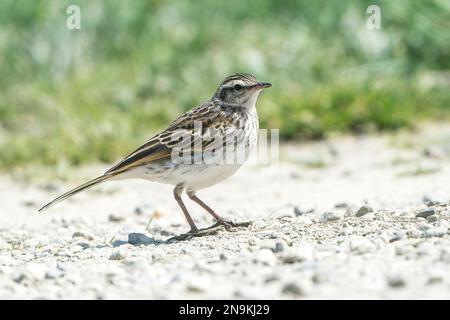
pixel 353 217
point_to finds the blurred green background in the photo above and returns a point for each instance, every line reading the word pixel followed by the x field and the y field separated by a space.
pixel 76 96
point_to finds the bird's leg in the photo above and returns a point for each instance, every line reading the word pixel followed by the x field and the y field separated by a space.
pixel 220 221
pixel 177 194
pixel 195 232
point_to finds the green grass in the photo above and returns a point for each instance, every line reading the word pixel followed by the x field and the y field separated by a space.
pixel 73 97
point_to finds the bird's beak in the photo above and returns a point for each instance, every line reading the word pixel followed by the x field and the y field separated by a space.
pixel 263 85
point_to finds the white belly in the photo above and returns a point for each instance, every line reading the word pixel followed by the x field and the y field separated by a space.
pixel 193 176
pixel 197 175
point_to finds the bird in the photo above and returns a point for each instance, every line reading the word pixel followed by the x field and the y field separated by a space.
pixel 194 151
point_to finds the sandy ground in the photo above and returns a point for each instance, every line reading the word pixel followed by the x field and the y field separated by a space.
pixel 354 217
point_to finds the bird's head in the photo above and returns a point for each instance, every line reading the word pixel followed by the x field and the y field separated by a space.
pixel 240 89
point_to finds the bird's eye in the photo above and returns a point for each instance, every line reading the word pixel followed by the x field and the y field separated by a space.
pixel 237 87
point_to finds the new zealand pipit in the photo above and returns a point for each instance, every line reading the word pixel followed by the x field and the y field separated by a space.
pixel 199 149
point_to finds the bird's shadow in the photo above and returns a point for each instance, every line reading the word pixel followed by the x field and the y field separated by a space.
pixel 138 239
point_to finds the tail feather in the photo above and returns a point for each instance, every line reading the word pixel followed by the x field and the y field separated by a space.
pixel 72 192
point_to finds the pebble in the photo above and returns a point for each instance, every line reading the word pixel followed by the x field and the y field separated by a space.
pixel 434 280
pixel 362 245
pixel 425 213
pixel 140 265
pixel 115 218
pixel 319 278
pixel 435 232
pixel 279 246
pixel 432 218
pixel 199 284
pixel 329 216
pixel 413 234
pixel 396 282
pixel 365 209
pixel 341 205
pixel 398 235
pixel 79 234
pixel 293 255
pixel 267 244
pixel 83 245
pixel 137 239
pixel 54 273
pixel 118 255
pixel 19 277
pixel 271 278
pixel 429 201
pixel 301 211
pixel 292 288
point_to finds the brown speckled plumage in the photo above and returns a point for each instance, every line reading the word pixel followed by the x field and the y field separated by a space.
pixel 230 114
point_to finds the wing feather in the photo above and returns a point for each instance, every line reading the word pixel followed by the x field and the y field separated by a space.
pixel 160 147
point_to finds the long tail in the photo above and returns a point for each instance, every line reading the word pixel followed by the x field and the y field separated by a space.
pixel 72 192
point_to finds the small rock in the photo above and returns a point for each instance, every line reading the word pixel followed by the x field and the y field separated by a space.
pixel 398 235
pixel 271 278
pixel 267 244
pixel 349 212
pixel 252 241
pixel 329 216
pixel 434 152
pixel 79 234
pixel 139 238
pixel 198 284
pixel 118 255
pixel 293 255
pixel 29 203
pixel 429 201
pixel 365 209
pixel 19 277
pixel 424 226
pixel 54 273
pixel 279 246
pixel 138 211
pixel 413 234
pixel 115 218
pixel 301 211
pixel 319 277
pixel 435 232
pixel 341 205
pixel 425 213
pixel 362 245
pixel 432 218
pixel 396 282
pixel 83 245
pixel 222 257
pixel 434 280
pixel 292 288
pixel 140 264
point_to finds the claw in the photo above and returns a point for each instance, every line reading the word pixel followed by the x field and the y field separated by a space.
pixel 212 230
pixel 228 224
pixel 194 233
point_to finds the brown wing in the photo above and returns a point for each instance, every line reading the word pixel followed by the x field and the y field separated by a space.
pixel 159 147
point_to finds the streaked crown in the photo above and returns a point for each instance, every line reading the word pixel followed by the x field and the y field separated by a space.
pixel 240 89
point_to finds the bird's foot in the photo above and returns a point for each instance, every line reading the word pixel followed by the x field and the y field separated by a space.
pixel 209 231
pixel 194 233
pixel 228 224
